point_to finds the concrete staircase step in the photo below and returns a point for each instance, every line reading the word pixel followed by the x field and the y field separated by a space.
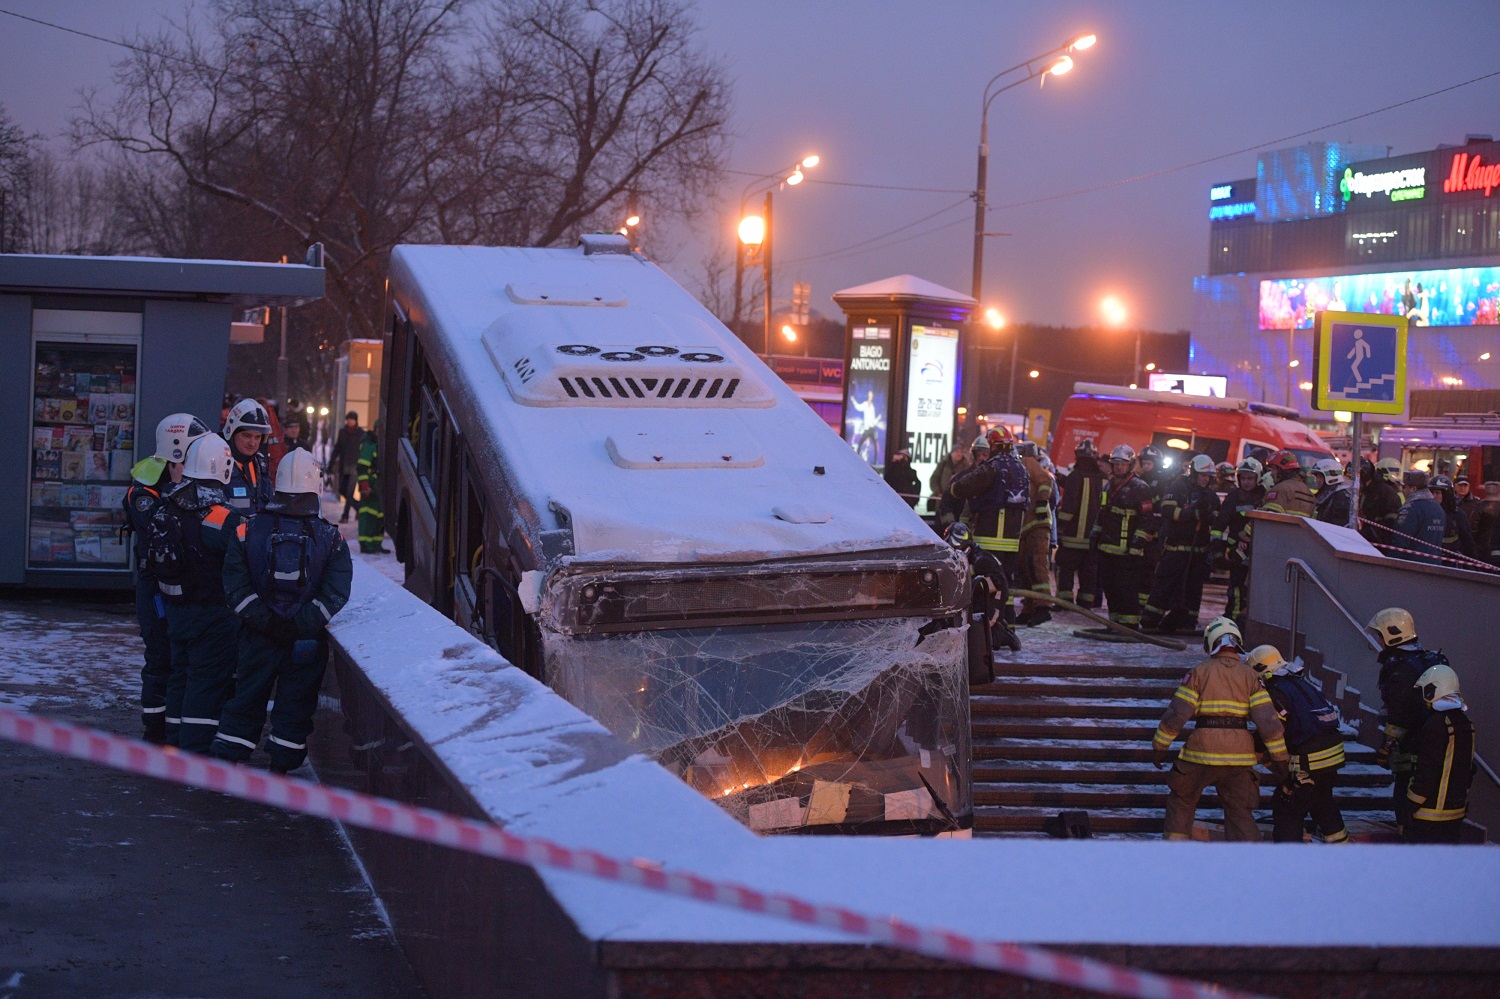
pixel 1115 771
pixel 1062 796
pixel 1065 707
pixel 1063 728
pixel 1159 691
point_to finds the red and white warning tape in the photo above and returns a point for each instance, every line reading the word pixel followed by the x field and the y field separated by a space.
pixel 425 825
pixel 1463 560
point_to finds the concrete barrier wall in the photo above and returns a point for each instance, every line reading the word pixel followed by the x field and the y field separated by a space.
pixel 418 710
pixel 1456 610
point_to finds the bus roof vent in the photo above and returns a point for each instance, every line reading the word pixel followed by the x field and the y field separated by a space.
pixel 587 364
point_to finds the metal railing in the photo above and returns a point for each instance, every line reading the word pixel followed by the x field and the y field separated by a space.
pixel 1296 569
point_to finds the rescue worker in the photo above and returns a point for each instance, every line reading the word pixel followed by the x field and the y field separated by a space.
pixel 1149 469
pixel 943 504
pixel 1379 501
pixel 287 572
pixel 1402 661
pixel 1316 747
pixel 150 479
pixel 1036 535
pixel 250 484
pixel 1457 537
pixel 1224 472
pixel 1335 496
pixel 185 551
pixel 371 517
pixel 1077 513
pixel 1229 545
pixel 1290 493
pixel 900 476
pixel 1187 513
pixel 997 490
pixel 1119 539
pixel 1420 523
pixel 1486 535
pixel 1443 746
pixel 991 590
pixel 1221 696
pixel 1468 502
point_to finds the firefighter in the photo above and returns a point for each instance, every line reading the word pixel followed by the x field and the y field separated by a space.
pixel 1187 514
pixel 1221 696
pixel 1420 523
pixel 1379 500
pixel 245 428
pixel 1443 747
pixel 1149 468
pixel 185 553
pixel 150 479
pixel 1458 539
pixel 998 491
pixel 1224 473
pixel 1316 747
pixel 371 517
pixel 1335 496
pixel 1402 661
pixel 1036 535
pixel 287 572
pixel 1229 544
pixel 1119 538
pixel 1076 515
pixel 1290 493
pixel 991 593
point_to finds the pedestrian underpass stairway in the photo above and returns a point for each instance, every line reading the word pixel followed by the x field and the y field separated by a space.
pixel 1059 736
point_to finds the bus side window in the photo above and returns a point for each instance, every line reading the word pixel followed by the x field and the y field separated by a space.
pixel 416 369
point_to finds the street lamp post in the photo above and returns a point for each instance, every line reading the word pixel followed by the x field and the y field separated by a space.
pixel 1115 315
pixel 1053 62
pixel 755 232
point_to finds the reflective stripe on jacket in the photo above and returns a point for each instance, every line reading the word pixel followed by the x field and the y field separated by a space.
pixel 1222 687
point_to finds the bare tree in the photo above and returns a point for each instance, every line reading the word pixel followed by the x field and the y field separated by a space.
pixel 17 149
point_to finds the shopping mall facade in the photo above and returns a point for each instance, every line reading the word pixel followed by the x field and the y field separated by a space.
pixel 1344 227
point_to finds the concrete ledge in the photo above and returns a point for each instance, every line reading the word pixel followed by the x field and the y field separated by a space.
pixel 420 711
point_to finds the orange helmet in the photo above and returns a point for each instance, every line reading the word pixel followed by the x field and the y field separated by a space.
pixel 1001 438
pixel 1284 461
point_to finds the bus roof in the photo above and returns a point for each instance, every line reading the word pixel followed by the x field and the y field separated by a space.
pixel 601 387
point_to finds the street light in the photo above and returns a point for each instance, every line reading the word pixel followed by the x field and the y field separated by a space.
pixel 755 236
pixel 1115 314
pixel 1042 66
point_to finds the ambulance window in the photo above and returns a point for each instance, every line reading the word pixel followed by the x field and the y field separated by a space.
pixel 1215 448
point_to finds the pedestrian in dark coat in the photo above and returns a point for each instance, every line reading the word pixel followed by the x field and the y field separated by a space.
pixel 1420 523
pixel 343 461
pixel 900 476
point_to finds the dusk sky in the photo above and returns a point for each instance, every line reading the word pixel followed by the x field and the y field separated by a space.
pixel 888 93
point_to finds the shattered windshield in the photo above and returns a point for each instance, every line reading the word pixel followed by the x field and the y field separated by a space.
pixel 807 726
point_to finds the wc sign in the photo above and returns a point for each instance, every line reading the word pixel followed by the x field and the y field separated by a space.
pixel 1359 364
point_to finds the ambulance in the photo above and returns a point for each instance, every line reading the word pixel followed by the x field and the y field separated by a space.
pixel 1179 425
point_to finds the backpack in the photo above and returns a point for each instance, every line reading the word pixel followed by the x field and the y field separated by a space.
pixel 174 554
pixel 1308 713
pixel 286 565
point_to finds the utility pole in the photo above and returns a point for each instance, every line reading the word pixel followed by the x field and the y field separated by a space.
pixel 766 263
pixel 281 363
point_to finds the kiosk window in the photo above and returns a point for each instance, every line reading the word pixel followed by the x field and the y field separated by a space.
pixel 82 449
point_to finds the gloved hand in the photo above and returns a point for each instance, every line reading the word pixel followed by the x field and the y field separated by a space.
pixel 1158 757
pixel 1383 753
pixel 1280 769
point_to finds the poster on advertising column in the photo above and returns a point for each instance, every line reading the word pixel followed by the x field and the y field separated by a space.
pixel 930 395
pixel 867 389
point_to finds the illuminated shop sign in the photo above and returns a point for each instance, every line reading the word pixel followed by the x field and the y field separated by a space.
pixel 1383 235
pixel 1471 173
pixel 1214 385
pixel 1221 192
pixel 1458 296
pixel 1398 185
pixel 1231 211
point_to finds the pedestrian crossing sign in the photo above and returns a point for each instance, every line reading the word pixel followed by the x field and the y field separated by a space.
pixel 1359 364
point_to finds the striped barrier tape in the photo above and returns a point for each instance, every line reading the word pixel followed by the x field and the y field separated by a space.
pixel 428 826
pixel 1464 560
pixel 1461 561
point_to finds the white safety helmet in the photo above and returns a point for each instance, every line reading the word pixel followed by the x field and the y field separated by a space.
pixel 1201 464
pixel 1437 681
pixel 1221 631
pixel 1266 660
pixel 1251 466
pixel 175 433
pixel 1122 452
pixel 1393 626
pixel 208 459
pixel 1331 470
pixel 298 473
pixel 247 414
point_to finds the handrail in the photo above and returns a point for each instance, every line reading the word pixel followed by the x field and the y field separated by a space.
pixel 1295 570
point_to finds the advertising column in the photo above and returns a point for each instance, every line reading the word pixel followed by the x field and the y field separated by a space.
pixel 867 392
pixel 930 396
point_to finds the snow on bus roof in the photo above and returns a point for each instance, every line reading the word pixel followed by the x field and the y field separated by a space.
pixel 580 416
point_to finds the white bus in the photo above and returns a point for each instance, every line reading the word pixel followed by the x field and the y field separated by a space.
pixel 583 466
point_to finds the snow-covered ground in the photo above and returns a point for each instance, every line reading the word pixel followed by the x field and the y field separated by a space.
pixel 60 652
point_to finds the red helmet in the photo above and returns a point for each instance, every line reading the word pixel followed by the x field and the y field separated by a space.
pixel 1284 461
pixel 999 436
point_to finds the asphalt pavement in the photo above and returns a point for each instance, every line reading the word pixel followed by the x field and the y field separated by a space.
pixel 129 888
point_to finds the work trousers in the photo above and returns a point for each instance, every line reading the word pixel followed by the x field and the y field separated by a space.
pixel 205 641
pixel 1423 831
pixel 266 664
pixel 1238 604
pixel 1119 578
pixel 1401 805
pixel 1239 794
pixel 1082 564
pixel 1151 558
pixel 1177 590
pixel 151 615
pixel 346 490
pixel 371 519
pixel 1036 574
pixel 1314 798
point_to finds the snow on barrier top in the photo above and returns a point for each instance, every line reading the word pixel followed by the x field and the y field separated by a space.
pixel 540 767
